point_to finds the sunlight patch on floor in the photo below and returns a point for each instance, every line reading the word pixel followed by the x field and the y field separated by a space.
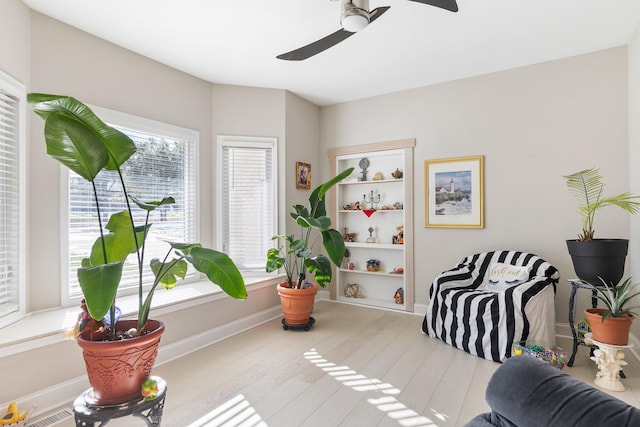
pixel 236 412
pixel 386 403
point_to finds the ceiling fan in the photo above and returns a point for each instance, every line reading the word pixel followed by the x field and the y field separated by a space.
pixel 355 16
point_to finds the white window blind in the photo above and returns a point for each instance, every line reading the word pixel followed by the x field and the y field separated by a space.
pixel 164 165
pixel 12 198
pixel 248 199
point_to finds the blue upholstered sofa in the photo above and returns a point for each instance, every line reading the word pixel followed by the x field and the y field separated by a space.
pixel 527 392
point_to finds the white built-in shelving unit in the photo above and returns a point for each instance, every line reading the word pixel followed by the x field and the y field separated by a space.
pixel 394 209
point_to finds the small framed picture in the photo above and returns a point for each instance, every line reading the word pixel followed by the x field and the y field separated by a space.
pixel 303 175
pixel 454 192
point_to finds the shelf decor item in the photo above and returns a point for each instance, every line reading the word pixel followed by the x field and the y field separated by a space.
pixel 454 192
pixel 595 259
pixel 295 255
pixel 78 139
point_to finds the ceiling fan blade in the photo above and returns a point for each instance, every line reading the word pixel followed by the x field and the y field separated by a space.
pixel 316 47
pixel 443 4
pixel 377 12
pixel 326 42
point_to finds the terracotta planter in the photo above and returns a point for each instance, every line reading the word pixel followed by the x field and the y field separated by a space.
pixel 297 304
pixel 614 330
pixel 117 369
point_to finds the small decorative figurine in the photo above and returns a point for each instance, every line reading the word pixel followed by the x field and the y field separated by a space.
pixel 346 258
pixel 364 164
pixel 149 389
pixel 373 265
pixel 349 237
pixel 397 174
pixel 371 239
pixel 378 176
pixel 399 296
pixel 398 239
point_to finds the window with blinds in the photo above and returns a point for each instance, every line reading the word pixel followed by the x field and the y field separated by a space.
pixel 12 198
pixel 164 165
pixel 247 199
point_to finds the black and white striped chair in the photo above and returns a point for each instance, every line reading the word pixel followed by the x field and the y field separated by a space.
pixel 492 300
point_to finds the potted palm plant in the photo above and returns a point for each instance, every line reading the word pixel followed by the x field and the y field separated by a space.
pixel 78 139
pixel 295 256
pixel 611 324
pixel 597 258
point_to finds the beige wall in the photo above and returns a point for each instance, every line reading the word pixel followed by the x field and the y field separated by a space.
pixel 15 38
pixel 634 157
pixel 533 125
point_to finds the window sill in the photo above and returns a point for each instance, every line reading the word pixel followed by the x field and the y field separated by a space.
pixel 47 327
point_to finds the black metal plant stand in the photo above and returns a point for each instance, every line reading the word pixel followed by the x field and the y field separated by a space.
pixel 305 326
pixel 87 413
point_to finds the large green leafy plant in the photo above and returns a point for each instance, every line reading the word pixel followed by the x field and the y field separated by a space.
pixel 295 254
pixel 587 186
pixel 78 139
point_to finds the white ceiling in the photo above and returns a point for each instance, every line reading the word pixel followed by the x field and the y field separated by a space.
pixel 412 45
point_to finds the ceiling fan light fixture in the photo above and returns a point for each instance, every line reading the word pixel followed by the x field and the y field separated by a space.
pixel 355 15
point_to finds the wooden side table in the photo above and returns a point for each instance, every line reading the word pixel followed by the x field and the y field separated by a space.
pixel 575 285
pixel 87 413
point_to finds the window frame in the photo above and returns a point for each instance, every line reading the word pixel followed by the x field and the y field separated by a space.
pixel 249 142
pixel 142 124
pixel 17 89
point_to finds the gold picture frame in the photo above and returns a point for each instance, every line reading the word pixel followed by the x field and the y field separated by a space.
pixel 454 192
pixel 303 175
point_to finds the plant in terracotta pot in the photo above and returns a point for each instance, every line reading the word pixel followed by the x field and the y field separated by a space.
pixel 597 258
pixel 82 142
pixel 295 255
pixel 611 324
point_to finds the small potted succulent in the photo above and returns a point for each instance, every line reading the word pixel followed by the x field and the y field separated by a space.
pixel 597 258
pixel 611 324
pixel 295 255
pixel 78 139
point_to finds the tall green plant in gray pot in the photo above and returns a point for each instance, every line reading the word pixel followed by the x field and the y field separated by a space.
pixel 295 256
pixel 119 355
pixel 595 259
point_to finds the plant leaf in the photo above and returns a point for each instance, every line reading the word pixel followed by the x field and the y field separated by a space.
pixel 119 146
pixel 334 245
pixel 119 243
pixel 170 271
pixel 99 286
pixel 75 147
pixel 220 269
pixel 150 206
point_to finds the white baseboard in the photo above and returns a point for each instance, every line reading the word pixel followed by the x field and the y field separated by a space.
pixel 49 399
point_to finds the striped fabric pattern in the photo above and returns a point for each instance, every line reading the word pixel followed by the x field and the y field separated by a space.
pixel 481 322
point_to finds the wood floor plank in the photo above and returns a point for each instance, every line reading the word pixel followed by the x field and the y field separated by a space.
pixel 270 377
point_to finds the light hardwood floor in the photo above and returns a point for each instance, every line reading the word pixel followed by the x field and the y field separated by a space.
pixel 357 367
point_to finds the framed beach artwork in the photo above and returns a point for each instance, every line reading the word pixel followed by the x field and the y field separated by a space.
pixel 303 175
pixel 454 192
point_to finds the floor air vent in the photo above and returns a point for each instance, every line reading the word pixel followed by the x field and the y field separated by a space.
pixel 52 419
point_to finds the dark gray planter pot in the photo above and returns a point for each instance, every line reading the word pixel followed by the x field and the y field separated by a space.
pixel 599 258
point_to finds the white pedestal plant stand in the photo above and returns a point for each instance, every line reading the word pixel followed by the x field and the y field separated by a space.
pixel 610 360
